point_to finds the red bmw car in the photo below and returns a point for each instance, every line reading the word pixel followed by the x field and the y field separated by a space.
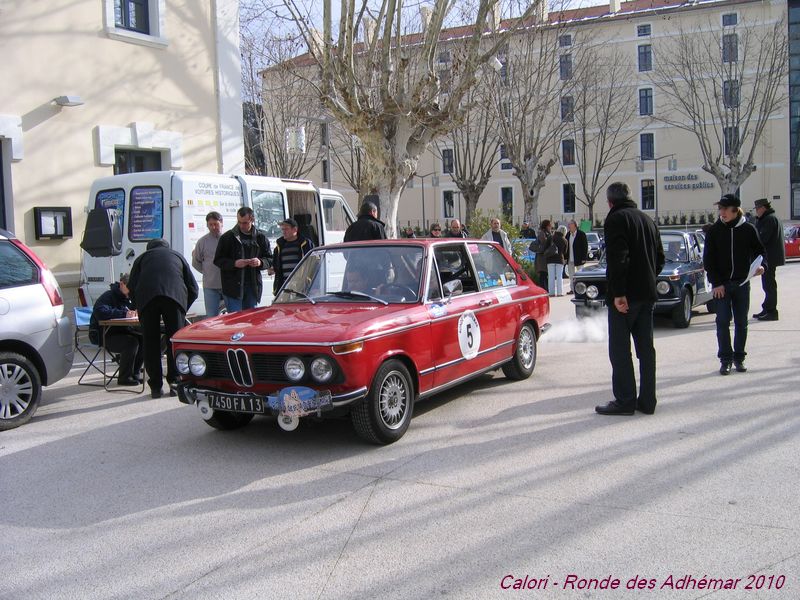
pixel 366 328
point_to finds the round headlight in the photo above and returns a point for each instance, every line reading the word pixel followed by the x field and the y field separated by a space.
pixel 294 368
pixel 580 288
pixel 321 369
pixel 182 363
pixel 592 292
pixel 197 365
pixel 663 287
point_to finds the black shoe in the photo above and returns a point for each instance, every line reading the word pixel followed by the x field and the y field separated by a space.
pixel 646 410
pixel 758 315
pixel 613 408
pixel 129 382
pixel 725 368
pixel 173 392
pixel 155 394
pixel 739 365
pixel 770 316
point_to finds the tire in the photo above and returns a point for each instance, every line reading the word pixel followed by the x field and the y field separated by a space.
pixel 385 414
pixel 523 362
pixel 682 314
pixel 20 390
pixel 228 421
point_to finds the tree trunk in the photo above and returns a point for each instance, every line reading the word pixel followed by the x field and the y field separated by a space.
pixel 471 198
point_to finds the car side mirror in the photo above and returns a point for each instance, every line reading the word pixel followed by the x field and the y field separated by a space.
pixel 453 288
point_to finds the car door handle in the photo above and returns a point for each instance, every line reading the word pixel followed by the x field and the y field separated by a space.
pixel 485 303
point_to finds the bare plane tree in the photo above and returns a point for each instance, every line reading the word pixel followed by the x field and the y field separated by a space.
pixel 605 122
pixel 386 89
pixel 724 86
pixel 347 153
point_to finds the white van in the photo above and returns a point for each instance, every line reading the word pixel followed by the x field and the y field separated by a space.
pixel 173 205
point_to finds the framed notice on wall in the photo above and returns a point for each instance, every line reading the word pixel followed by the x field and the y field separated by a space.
pixel 52 222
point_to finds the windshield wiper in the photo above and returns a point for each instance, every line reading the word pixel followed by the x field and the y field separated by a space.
pixel 301 294
pixel 345 294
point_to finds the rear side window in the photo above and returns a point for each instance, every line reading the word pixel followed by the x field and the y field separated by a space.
pixel 16 269
pixel 336 219
pixel 493 269
pixel 111 199
pixel 147 214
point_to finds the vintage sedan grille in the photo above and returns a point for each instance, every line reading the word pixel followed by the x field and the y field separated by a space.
pixel 239 367
pixel 265 367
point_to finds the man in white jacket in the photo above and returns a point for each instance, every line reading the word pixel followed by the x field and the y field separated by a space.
pixel 203 261
pixel 495 234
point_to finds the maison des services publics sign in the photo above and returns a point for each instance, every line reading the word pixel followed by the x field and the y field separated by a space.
pixel 689 182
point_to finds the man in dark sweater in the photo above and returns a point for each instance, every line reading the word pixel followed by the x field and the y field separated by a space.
pixel 770 231
pixel 289 251
pixel 367 226
pixel 731 246
pixel 634 259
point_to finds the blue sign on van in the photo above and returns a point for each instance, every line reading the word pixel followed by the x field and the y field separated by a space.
pixel 147 214
pixel 111 199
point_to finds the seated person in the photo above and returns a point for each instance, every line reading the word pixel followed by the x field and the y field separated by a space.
pixel 355 280
pixel 674 251
pixel 125 341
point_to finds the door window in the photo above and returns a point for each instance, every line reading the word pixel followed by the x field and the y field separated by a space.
pixel 453 263
pixel 268 211
pixel 113 199
pixel 16 269
pixel 336 219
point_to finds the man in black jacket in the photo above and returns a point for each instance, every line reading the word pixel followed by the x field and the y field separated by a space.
pixel 162 287
pixel 242 253
pixel 770 231
pixel 577 251
pixel 634 259
pixel 125 341
pixel 367 226
pixel 290 249
pixel 731 246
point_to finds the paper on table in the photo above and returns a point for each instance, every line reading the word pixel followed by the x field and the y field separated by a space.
pixel 753 267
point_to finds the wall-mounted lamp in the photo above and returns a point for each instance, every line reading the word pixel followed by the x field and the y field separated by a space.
pixel 68 100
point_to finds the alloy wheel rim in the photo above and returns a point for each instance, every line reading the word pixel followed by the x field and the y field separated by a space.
pixel 16 391
pixel 526 348
pixel 687 307
pixel 393 400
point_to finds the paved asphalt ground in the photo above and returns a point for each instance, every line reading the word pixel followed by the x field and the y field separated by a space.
pixel 114 495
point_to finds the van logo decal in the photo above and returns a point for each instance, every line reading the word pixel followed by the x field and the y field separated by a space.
pixel 237 336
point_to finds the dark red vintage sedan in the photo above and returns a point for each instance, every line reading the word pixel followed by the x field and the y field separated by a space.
pixel 366 328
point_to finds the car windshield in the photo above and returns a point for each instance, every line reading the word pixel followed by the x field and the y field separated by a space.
pixel 593 238
pixel 384 274
pixel 674 246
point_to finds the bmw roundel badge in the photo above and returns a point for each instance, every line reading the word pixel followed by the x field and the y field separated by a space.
pixel 237 336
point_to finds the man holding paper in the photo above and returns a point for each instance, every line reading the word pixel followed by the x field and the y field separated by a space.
pixel 731 246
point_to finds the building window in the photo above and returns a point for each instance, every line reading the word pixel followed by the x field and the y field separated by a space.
pixel 568 194
pixel 567 108
pixel 132 15
pixel 447 160
pixel 565 66
pixel 730 93
pixel 647 149
pixel 646 101
pixel 730 48
pixel 507 202
pixel 731 135
pixel 730 20
pixel 643 30
pixel 505 165
pixel 136 161
pixel 648 194
pixel 447 204
pixel 564 41
pixel 645 57
pixel 567 152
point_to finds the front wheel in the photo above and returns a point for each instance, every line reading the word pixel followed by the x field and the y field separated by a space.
pixel 385 414
pixel 20 390
pixel 524 360
pixel 682 314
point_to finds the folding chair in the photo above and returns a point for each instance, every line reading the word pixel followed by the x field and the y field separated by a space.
pixel 89 350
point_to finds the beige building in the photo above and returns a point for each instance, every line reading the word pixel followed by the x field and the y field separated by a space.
pixel 91 88
pixel 670 180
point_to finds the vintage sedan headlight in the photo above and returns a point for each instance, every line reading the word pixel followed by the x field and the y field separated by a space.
pixel 182 363
pixel 197 365
pixel 592 292
pixel 294 368
pixel 663 287
pixel 580 288
pixel 321 369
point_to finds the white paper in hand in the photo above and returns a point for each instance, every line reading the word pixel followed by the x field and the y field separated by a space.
pixel 753 268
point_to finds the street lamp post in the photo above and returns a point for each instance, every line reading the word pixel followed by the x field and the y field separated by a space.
pixel 324 121
pixel 422 178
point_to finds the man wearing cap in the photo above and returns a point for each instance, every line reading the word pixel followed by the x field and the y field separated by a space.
pixel 770 231
pixel 731 246
pixel 289 251
pixel 526 231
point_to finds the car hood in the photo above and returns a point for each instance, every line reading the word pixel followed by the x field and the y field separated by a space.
pixel 300 323
pixel 598 271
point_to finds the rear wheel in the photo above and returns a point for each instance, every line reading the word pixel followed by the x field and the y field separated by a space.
pixel 385 414
pixel 524 360
pixel 20 390
pixel 682 314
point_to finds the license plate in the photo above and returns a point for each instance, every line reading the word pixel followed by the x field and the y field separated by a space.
pixel 300 401
pixel 236 403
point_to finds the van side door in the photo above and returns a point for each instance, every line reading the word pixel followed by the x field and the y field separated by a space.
pixel 336 218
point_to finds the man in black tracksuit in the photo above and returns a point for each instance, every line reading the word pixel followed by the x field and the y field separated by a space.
pixel 770 231
pixel 367 226
pixel 731 246
pixel 634 259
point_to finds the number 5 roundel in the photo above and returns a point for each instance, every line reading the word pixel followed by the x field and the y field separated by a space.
pixel 469 334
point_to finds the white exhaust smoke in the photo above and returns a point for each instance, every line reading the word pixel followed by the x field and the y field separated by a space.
pixel 590 329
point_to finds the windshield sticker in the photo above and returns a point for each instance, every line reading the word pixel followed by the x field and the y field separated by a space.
pixel 469 335
pixel 473 248
pixel 437 310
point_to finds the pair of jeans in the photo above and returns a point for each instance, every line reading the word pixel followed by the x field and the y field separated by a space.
pixel 571 270
pixel 212 299
pixel 555 279
pixel 770 286
pixel 638 323
pixel 735 303
pixel 249 299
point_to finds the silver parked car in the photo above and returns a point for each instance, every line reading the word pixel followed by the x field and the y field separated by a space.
pixel 36 337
